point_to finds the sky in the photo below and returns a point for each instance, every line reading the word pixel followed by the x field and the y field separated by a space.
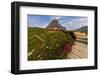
pixel 69 22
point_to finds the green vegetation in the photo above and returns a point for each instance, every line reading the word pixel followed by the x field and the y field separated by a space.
pixel 83 29
pixel 46 44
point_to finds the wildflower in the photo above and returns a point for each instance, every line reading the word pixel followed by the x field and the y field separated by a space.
pixel 67 48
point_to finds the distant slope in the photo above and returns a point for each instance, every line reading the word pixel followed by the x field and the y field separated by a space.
pixel 83 29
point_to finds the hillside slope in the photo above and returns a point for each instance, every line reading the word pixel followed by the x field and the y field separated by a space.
pixel 44 44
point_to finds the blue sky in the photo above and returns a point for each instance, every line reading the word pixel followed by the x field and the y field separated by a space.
pixel 69 22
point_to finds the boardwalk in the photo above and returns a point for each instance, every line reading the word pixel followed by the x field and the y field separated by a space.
pixel 80 49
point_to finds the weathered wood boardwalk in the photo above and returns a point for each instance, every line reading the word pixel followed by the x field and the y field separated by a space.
pixel 80 49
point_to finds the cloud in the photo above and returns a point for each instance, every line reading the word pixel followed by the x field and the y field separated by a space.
pixel 75 23
pixel 56 17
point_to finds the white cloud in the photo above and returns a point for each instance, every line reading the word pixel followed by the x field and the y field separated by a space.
pixel 56 17
pixel 75 23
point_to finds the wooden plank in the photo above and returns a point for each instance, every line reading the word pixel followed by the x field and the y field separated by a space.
pixel 79 44
pixel 81 40
pixel 79 51
pixel 80 54
pixel 81 47
pixel 73 56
